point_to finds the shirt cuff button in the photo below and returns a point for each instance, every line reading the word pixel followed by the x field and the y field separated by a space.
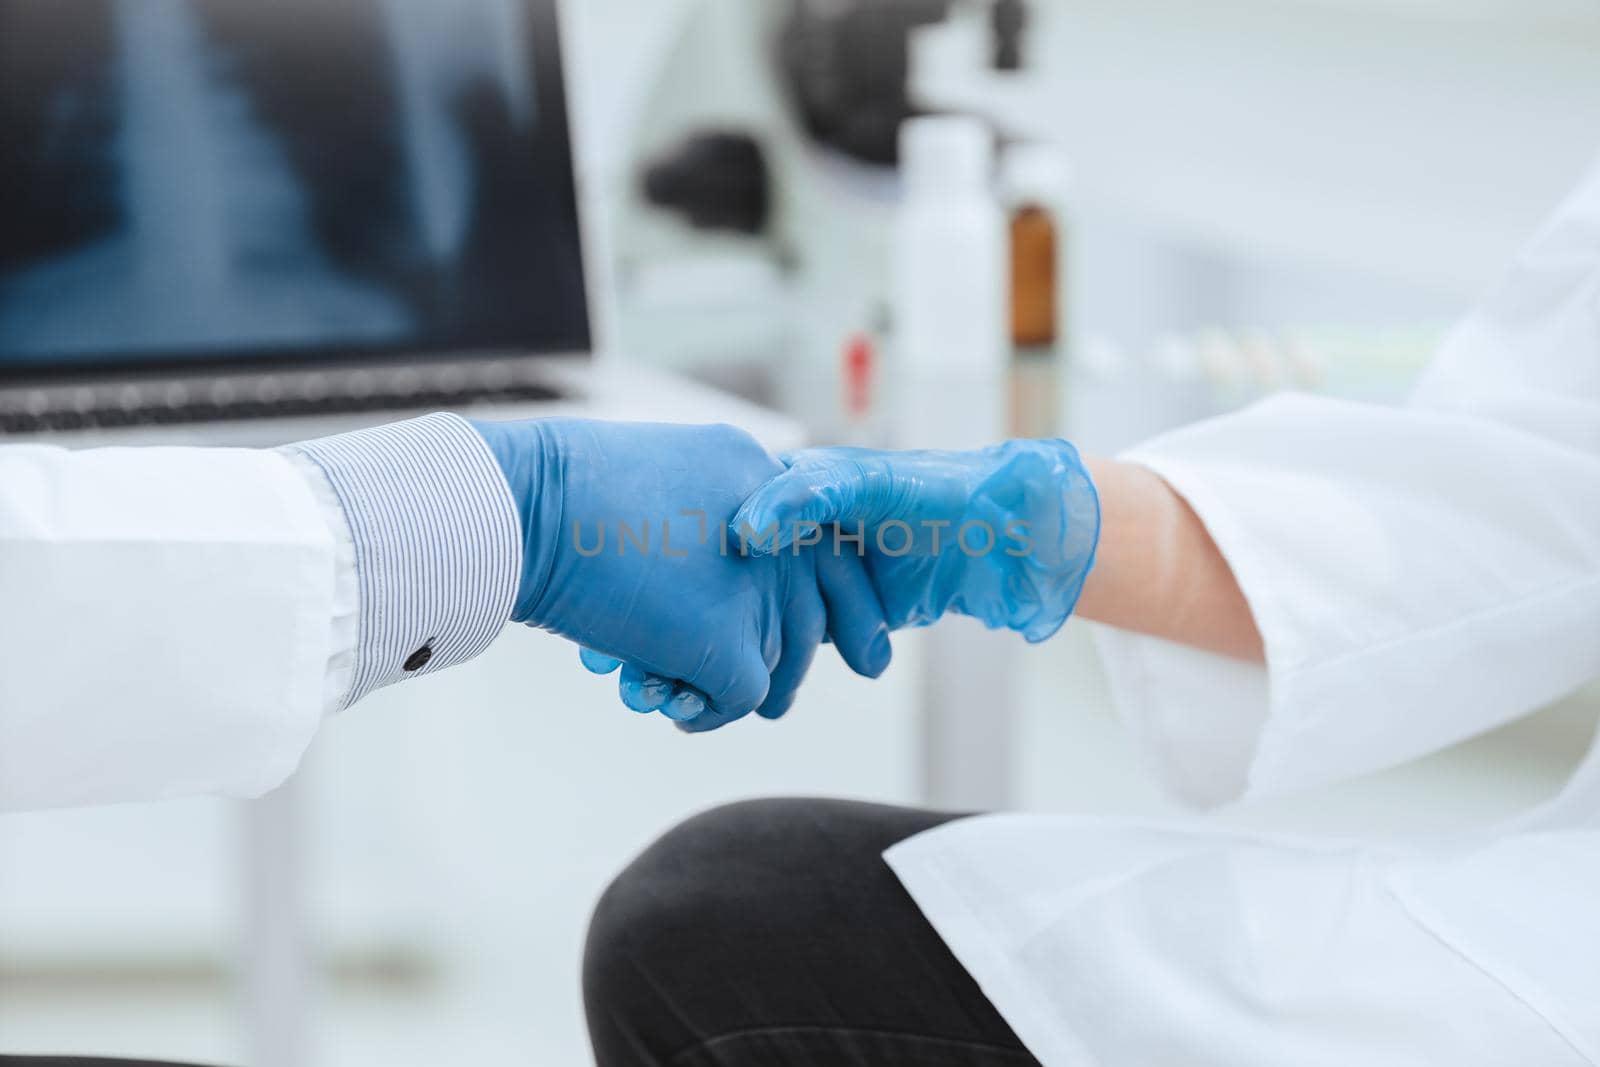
pixel 418 659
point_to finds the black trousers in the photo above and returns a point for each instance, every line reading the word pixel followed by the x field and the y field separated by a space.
pixel 771 933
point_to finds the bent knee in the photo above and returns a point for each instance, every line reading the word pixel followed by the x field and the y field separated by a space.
pixel 700 884
pixel 731 894
pixel 689 866
pixel 711 871
pixel 751 860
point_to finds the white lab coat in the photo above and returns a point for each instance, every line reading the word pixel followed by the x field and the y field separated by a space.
pixel 1419 576
pixel 168 622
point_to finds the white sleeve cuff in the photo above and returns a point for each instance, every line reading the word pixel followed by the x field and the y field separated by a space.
pixel 1409 593
pixel 1197 716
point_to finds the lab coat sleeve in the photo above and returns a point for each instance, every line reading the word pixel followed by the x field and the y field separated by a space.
pixel 178 621
pixel 1419 574
pixel 164 623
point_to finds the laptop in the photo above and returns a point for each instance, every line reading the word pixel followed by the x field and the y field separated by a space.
pixel 295 216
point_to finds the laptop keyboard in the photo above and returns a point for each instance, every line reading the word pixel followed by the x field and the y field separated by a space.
pixel 185 409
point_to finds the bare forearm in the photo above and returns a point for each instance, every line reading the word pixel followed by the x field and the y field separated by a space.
pixel 1158 571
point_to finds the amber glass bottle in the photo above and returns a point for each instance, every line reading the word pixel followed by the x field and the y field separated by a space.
pixel 1035 262
pixel 1036 326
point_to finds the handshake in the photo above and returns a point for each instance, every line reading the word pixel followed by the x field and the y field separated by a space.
pixel 710 572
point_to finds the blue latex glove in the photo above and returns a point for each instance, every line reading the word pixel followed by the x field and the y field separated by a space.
pixel 1006 534
pixel 715 634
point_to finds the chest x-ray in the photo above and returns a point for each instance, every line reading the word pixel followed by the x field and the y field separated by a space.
pixel 205 177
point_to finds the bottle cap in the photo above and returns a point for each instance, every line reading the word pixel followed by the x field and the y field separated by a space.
pixel 1032 170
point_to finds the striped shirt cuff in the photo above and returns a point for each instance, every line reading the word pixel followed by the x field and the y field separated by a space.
pixel 438 544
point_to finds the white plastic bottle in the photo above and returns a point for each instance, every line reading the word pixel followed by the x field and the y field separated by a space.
pixel 952 345
pixel 949 288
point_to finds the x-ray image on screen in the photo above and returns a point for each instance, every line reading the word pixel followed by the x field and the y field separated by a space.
pixel 206 177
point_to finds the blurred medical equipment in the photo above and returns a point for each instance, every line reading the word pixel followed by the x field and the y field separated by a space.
pixel 1237 185
pixel 624 524
pixel 846 66
pixel 716 180
pixel 1006 534
pixel 818 93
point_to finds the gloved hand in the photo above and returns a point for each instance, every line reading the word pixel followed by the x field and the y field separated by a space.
pixel 624 553
pixel 1006 534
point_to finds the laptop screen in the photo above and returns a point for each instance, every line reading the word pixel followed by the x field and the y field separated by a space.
pixel 203 181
